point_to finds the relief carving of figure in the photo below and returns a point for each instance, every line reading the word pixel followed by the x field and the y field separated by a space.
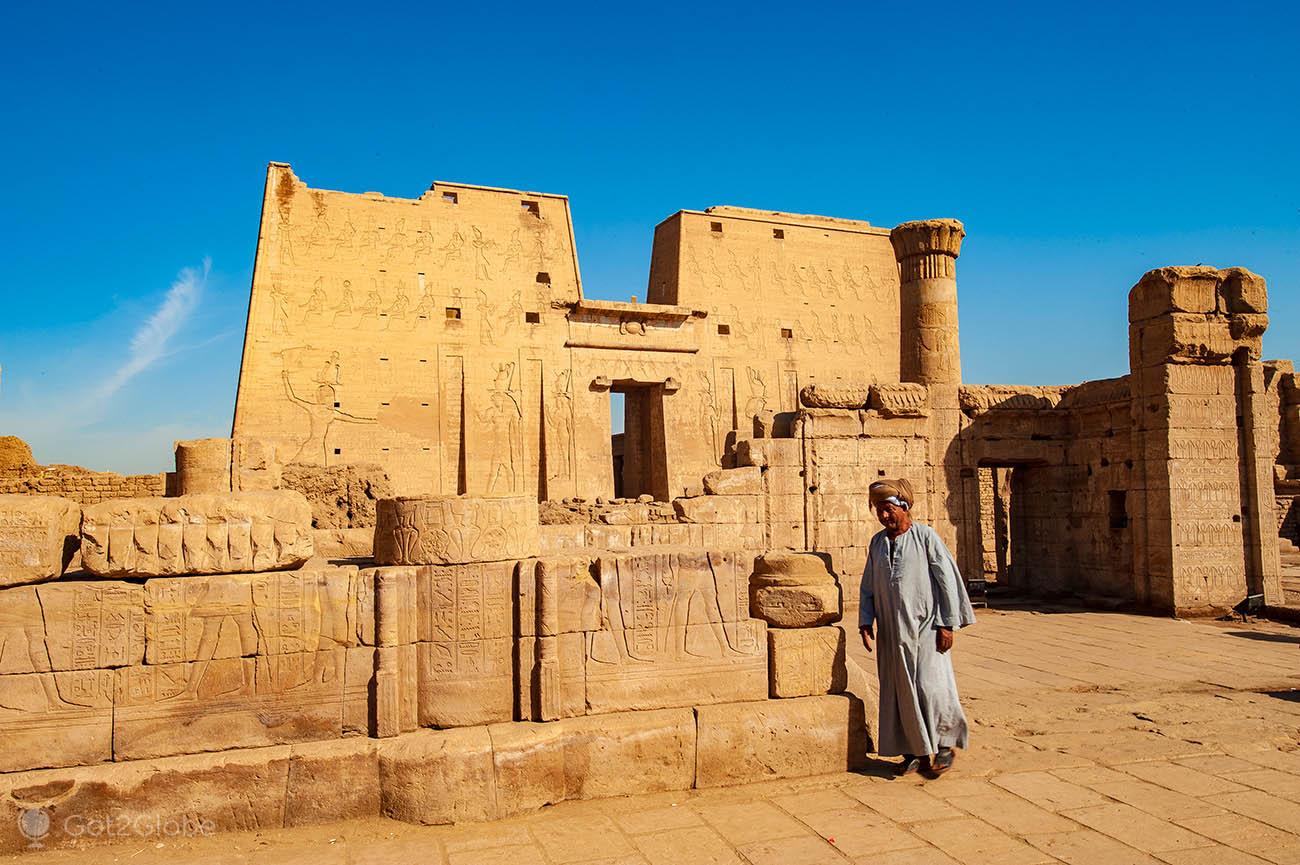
pixel 757 394
pixel 319 240
pixel 453 246
pixel 559 420
pixel 344 307
pixel 690 582
pixel 345 245
pixel 400 304
pixel 279 310
pixel 514 250
pixel 427 304
pixel 502 421
pixel 370 309
pixel 219 602
pixel 321 412
pixel 330 373
pixel 709 416
pixel 286 238
pixel 487 311
pixel 481 246
pixel 396 240
pixel 316 303
pixel 423 246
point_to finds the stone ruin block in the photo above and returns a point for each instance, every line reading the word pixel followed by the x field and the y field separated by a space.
pixel 676 632
pixel 794 590
pixel 719 509
pixel 1174 289
pixel 38 537
pixel 805 661
pixel 743 481
pixel 838 395
pixel 451 530
pixel 769 452
pixel 56 719
pixel 738 743
pixel 464 627
pixel 198 534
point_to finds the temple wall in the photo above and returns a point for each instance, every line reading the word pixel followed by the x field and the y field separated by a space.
pixel 80 485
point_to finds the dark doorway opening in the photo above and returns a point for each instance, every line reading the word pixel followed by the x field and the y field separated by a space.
pixel 640 457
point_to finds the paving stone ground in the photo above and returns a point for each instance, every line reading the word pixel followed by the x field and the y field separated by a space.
pixel 1097 738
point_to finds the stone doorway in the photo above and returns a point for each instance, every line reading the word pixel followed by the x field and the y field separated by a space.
pixel 640 456
pixel 995 524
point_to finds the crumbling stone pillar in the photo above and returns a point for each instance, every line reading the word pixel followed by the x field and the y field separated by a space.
pixel 202 466
pixel 1204 511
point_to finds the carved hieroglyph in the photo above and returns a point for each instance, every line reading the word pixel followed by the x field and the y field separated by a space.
pixel 198 534
pixel 449 530
pixel 38 537
pixel 675 631
pixel 806 661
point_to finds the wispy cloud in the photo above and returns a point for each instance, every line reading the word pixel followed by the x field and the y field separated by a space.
pixel 149 344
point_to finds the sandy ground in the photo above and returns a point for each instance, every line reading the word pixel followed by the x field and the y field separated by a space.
pixel 1096 738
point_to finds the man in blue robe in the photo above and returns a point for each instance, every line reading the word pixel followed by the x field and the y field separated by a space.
pixel 913 600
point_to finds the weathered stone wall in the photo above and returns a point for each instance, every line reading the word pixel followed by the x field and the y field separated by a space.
pixel 341 497
pixel 81 485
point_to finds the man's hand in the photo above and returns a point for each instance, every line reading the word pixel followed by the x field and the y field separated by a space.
pixel 867 637
pixel 943 640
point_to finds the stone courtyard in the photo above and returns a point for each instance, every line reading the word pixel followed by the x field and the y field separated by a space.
pixel 1098 738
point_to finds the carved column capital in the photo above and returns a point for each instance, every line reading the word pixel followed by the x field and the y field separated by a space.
pixel 927 248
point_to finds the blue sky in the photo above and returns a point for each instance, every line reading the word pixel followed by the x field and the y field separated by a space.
pixel 1082 144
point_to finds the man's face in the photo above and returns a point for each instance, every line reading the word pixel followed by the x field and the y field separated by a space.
pixel 891 516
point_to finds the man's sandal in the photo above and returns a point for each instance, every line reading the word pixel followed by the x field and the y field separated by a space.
pixel 942 762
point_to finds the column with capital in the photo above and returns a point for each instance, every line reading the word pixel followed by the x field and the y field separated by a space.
pixel 927 253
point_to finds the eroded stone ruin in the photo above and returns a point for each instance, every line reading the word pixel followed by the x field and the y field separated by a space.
pixel 423 578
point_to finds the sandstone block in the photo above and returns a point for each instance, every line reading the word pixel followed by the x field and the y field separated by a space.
pixel 449 530
pixel 743 481
pixel 593 757
pixel 573 592
pixel 719 509
pixel 438 776
pixel 1174 289
pixel 794 590
pixel 739 743
pixel 38 537
pixel 206 618
pixel 199 534
pixel 797 606
pixel 676 632
pixel 158 799
pixel 329 781
pixel 803 662
pixel 344 543
pixel 162 710
pixel 55 719
pixel 835 395
pixel 1243 291
pixel 901 399
pixel 71 626
pixel 463 683
pixel 465 603
pixel 528 765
